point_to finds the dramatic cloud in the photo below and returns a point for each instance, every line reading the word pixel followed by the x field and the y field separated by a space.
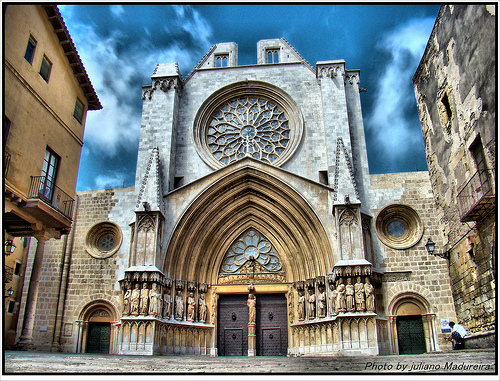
pixel 121 44
pixel 112 180
pixel 393 122
pixel 119 60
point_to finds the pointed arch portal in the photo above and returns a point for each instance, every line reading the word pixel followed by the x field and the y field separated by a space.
pixel 248 199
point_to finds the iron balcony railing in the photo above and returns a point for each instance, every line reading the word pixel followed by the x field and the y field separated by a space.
pixel 44 189
pixel 7 274
pixel 475 198
pixel 6 163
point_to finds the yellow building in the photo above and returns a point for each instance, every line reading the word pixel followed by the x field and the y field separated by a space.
pixel 47 96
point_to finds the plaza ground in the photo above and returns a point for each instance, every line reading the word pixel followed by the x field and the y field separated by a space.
pixel 479 362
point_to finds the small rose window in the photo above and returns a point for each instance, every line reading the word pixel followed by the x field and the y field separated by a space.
pixel 103 239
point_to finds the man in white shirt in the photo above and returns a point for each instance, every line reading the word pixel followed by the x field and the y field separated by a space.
pixel 458 333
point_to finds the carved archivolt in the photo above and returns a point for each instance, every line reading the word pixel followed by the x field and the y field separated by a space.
pixel 247 199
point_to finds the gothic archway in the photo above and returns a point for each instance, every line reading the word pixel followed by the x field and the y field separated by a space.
pixel 248 197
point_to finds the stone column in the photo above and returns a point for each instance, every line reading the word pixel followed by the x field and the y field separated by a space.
pixel 252 340
pixel 26 339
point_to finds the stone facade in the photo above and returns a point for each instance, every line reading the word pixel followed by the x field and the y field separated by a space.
pixel 456 95
pixel 252 184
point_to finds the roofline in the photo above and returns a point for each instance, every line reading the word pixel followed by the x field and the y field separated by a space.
pixel 428 47
pixel 74 60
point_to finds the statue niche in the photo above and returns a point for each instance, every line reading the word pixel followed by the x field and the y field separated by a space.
pixel 145 241
pixel 350 234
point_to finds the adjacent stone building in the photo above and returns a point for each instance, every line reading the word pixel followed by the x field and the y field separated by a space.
pixel 47 94
pixel 254 227
pixel 455 87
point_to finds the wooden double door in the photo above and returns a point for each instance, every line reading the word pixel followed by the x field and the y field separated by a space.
pixel 271 325
pixel 411 337
pixel 98 337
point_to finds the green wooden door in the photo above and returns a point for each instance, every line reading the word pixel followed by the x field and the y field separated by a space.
pixel 411 339
pixel 98 338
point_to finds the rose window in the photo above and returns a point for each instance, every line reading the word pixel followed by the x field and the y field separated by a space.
pixel 248 126
pixel 250 248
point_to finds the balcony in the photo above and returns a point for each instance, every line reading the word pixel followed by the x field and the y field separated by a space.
pixel 7 274
pixel 49 193
pixel 6 163
pixel 476 198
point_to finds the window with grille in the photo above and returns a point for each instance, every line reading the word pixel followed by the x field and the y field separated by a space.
pixel 30 50
pixel 11 307
pixel 45 68
pixel 17 268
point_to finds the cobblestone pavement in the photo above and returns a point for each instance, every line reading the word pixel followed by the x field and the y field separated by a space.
pixel 480 362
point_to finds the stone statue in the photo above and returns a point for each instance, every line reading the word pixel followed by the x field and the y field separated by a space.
pixel 340 305
pixel 333 300
pixel 126 302
pixel 179 306
pixel 202 308
pixel 312 304
pixel 153 301
pixel 359 295
pixel 251 308
pixel 321 302
pixel 191 304
pixel 134 300
pixel 144 300
pixel 301 306
pixel 349 296
pixel 167 302
pixel 370 298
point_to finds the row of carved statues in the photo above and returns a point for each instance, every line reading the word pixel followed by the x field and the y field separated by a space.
pixel 150 302
pixel 358 297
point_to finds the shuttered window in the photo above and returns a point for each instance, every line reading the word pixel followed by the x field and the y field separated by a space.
pixel 30 50
pixel 45 68
pixel 78 113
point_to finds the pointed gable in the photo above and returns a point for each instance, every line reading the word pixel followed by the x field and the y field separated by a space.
pixel 151 189
pixel 345 187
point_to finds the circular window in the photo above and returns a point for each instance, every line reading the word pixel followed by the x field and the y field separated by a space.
pixel 103 239
pixel 247 119
pixel 399 226
pixel 396 229
pixel 248 126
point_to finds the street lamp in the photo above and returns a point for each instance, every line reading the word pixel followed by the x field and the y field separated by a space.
pixel 10 291
pixel 9 247
pixel 430 246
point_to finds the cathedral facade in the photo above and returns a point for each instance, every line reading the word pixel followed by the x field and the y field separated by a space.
pixel 254 227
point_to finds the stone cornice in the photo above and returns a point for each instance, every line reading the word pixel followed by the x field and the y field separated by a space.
pixel 330 69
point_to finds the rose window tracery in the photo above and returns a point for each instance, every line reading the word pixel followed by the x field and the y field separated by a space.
pixel 248 126
pixel 249 252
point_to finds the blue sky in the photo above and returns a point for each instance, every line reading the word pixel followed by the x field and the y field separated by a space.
pixel 120 46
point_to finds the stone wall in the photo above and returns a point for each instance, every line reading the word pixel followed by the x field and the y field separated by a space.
pixel 456 96
pixel 71 277
pixel 412 270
